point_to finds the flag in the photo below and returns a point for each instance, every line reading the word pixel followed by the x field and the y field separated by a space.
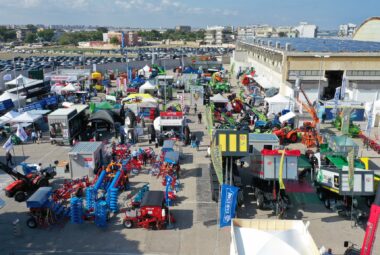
pixel 21 133
pixel 351 168
pixel 343 88
pixel 336 101
pixel 280 180
pixel 7 77
pixel 228 204
pixel 8 145
pixel 370 119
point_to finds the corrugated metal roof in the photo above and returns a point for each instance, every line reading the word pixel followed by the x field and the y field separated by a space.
pixel 263 137
pixel 87 147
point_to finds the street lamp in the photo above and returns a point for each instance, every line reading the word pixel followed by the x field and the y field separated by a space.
pixel 320 73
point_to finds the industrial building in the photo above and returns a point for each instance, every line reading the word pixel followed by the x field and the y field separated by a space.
pixel 318 63
pixel 217 35
pixel 183 28
pixel 369 30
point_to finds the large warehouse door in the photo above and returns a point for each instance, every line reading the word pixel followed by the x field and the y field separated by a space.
pixel 334 80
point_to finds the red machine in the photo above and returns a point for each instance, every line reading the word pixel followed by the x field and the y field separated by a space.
pixel 69 188
pixel 286 134
pixel 152 213
pixel 25 185
pixel 370 233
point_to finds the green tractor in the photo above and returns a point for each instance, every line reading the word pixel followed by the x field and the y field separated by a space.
pixel 353 131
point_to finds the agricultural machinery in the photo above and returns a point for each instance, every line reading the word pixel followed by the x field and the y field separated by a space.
pixel 286 134
pixel 353 130
pixel 151 214
pixel 26 184
pixel 43 211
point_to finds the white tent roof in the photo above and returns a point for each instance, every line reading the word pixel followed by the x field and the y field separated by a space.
pixel 26 117
pixel 7 95
pixel 69 88
pixel 9 116
pixel 218 98
pixel 146 68
pixel 265 83
pixel 147 86
pixel 25 81
pixel 277 99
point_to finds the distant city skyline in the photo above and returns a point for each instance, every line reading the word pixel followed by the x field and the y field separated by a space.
pixel 326 14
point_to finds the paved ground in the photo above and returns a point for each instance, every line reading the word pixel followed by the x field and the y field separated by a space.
pixel 196 229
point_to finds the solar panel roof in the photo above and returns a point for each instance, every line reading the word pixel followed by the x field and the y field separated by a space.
pixel 320 45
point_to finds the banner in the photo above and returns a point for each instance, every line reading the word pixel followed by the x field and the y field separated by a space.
pixel 280 180
pixel 7 77
pixel 343 88
pixel 346 114
pixel 370 120
pixel 336 101
pixel 351 169
pixel 8 145
pixel 217 161
pixel 228 204
pixel 21 133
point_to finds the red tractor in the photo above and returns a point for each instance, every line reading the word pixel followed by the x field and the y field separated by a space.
pixel 286 134
pixel 151 214
pixel 25 185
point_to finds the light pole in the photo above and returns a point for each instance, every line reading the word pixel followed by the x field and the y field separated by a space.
pixel 320 74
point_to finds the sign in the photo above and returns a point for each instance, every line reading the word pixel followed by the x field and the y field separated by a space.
pixel 351 168
pixel 88 162
pixel 232 142
pixel 346 113
pixel 228 204
pixel 362 182
pixel 63 78
pixel 170 115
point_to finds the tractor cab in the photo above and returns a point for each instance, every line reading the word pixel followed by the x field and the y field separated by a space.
pixel 173 125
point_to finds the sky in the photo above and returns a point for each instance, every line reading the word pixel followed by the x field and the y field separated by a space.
pixel 327 14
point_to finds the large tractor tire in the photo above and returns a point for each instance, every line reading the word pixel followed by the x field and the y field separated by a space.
pixel 31 223
pixel 20 196
pixel 128 224
pixel 130 119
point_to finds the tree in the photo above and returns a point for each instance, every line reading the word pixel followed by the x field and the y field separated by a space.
pixel 31 27
pixel 114 40
pixel 46 35
pixel 7 34
pixel 102 29
pixel 281 34
pixel 30 37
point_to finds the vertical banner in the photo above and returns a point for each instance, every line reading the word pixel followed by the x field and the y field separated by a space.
pixel 336 101
pixel 228 204
pixel 94 67
pixel 351 169
pixel 281 170
pixel 343 88
pixel 197 93
pixel 370 120
pixel 346 114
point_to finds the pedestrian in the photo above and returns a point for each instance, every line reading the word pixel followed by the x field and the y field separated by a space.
pixel 197 143
pixel 39 167
pixel 195 108
pixel 39 136
pixel 8 158
pixel 328 252
pixel 34 136
pixel 199 117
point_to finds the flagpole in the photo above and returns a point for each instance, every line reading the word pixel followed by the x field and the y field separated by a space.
pixel 18 106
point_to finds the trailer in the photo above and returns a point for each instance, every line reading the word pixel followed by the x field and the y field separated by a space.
pixel 171 125
pixel 254 237
pixel 67 123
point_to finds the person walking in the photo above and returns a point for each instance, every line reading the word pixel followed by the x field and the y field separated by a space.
pixel 39 136
pixel 195 108
pixel 199 117
pixel 8 158
pixel 34 136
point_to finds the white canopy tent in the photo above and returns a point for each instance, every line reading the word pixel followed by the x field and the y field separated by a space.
pixel 9 116
pixel 218 98
pixel 22 81
pixel 18 101
pixel 147 86
pixel 26 117
pixel 277 103
pixel 265 83
pixel 287 116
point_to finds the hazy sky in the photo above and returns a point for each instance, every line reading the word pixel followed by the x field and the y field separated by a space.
pixel 198 13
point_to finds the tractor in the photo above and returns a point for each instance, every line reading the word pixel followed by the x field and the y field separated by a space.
pixel 25 185
pixel 151 214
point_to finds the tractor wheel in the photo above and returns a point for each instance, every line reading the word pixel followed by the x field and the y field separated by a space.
pixel 128 224
pixel 260 201
pixel 130 119
pixel 293 138
pixel 321 194
pixel 20 196
pixel 31 222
